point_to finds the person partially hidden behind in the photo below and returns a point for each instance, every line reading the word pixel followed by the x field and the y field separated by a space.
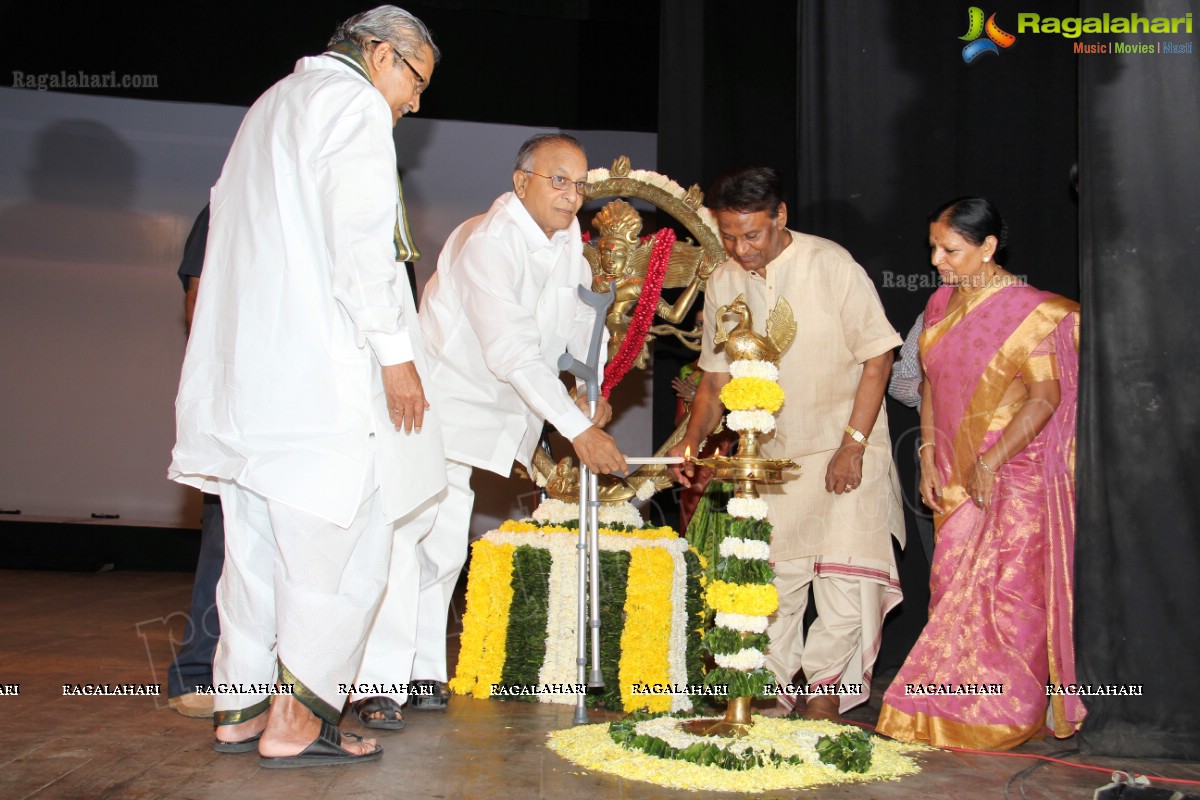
pixel 301 396
pixel 997 467
pixel 192 668
pixel 501 309
pixel 832 526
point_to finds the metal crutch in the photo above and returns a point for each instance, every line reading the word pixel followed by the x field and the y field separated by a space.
pixel 589 508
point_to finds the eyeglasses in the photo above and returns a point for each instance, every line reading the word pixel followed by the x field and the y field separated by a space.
pixel 561 182
pixel 421 79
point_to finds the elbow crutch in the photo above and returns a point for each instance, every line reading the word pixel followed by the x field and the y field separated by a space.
pixel 589 509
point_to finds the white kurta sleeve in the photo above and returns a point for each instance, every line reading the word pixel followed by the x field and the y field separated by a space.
pixel 488 273
pixel 356 174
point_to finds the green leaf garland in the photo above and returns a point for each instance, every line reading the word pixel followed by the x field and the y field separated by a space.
pixel 526 638
pixel 624 732
pixel 696 622
pixel 758 530
pixel 614 579
pixel 744 570
pixel 726 641
pixel 739 683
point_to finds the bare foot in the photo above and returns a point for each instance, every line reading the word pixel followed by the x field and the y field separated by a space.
pixel 242 730
pixel 291 727
pixel 821 708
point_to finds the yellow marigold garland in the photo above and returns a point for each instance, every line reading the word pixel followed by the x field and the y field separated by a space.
pixel 489 597
pixel 514 526
pixel 743 394
pixel 752 600
pixel 645 639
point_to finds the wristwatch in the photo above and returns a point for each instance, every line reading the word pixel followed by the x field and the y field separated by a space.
pixel 856 435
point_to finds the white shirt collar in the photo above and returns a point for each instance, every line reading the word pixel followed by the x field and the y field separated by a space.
pixel 535 238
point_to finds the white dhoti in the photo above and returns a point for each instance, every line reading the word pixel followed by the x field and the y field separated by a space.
pixel 408 638
pixel 843 642
pixel 841 545
pixel 296 600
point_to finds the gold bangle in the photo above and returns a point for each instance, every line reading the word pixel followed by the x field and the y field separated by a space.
pixel 856 435
pixel 922 447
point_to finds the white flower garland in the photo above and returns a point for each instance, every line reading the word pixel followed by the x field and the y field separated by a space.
pixel 745 548
pixel 621 514
pixel 646 490
pixel 748 508
pixel 607 541
pixel 750 420
pixel 556 512
pixel 754 369
pixel 742 623
pixel 677 652
pixel 559 666
pixel 746 659
pixel 662 182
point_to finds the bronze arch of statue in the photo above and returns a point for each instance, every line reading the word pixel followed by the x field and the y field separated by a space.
pixel 619 256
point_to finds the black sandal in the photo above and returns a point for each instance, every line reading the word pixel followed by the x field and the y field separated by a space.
pixel 435 697
pixel 392 721
pixel 243 746
pixel 323 751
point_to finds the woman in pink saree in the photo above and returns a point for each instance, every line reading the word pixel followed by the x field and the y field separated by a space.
pixel 997 467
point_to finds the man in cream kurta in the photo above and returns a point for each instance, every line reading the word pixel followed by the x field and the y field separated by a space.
pixel 300 399
pixel 501 309
pixel 831 520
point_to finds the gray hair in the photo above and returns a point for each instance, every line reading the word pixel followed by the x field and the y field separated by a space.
pixel 525 154
pixel 389 24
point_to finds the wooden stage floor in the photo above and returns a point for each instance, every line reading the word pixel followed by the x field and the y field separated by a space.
pixel 61 628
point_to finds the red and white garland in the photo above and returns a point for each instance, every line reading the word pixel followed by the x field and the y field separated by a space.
pixel 643 315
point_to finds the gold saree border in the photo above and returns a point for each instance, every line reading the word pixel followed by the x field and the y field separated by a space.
pixel 931 335
pixel 307 696
pixel 240 715
pixel 997 376
pixel 939 732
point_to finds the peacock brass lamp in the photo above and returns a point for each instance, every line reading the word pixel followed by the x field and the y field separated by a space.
pixel 747 467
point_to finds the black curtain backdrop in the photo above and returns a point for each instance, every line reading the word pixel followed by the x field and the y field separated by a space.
pixel 873 118
pixel 1138 554
pixel 580 64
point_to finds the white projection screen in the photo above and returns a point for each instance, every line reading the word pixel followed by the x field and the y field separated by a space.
pixel 97 195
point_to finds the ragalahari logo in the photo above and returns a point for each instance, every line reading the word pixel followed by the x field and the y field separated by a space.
pixel 996 38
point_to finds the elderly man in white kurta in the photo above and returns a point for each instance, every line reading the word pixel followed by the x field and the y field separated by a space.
pixel 832 521
pixel 301 398
pixel 502 308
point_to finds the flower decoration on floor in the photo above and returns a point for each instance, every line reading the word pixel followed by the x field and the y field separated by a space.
pixel 776 754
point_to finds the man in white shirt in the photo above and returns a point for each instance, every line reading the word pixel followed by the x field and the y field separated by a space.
pixel 301 398
pixel 502 308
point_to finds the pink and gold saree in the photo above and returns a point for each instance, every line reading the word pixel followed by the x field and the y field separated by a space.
pixel 1000 616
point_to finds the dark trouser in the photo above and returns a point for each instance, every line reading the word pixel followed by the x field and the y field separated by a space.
pixel 922 514
pixel 193 665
